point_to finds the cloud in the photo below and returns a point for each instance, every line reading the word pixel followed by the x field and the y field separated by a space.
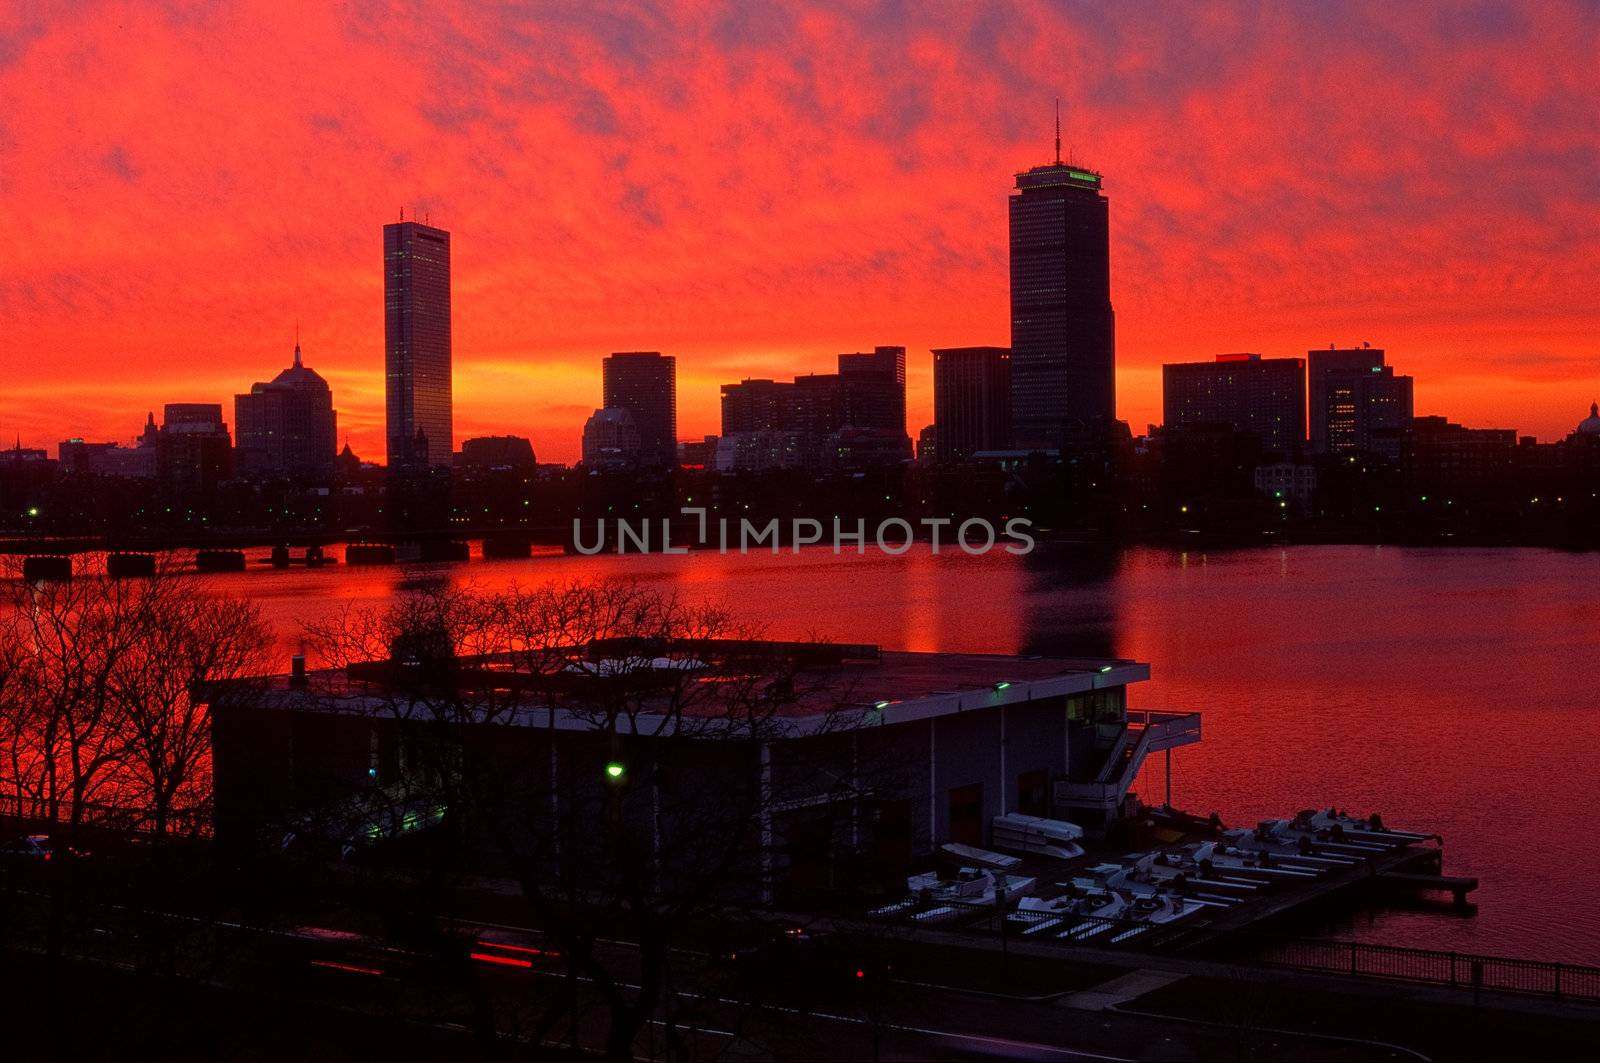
pixel 754 188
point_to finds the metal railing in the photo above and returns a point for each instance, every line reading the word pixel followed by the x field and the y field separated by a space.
pixel 1461 970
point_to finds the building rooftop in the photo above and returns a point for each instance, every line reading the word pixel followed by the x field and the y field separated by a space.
pixel 810 686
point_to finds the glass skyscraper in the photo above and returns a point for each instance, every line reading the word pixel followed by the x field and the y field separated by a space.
pixel 1063 347
pixel 416 332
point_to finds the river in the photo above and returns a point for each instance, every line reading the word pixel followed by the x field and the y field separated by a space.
pixel 1453 690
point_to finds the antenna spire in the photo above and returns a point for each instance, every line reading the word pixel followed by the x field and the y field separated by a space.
pixel 1058 130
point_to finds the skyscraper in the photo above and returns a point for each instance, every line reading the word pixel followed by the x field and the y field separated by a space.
pixel 645 383
pixel 1248 393
pixel 1357 402
pixel 416 329
pixel 287 426
pixel 1063 348
pixel 971 401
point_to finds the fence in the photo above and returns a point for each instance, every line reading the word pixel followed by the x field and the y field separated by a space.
pixel 1457 969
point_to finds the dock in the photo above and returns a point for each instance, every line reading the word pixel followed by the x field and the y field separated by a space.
pixel 1227 893
pixel 1458 886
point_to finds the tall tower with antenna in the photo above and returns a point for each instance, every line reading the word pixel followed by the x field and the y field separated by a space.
pixel 1063 341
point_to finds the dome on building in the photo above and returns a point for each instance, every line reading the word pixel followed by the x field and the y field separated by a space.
pixel 298 376
pixel 1590 425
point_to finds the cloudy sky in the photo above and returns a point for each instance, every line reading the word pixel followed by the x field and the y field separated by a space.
pixel 756 187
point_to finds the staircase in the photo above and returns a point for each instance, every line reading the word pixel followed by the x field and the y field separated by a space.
pixel 1146 732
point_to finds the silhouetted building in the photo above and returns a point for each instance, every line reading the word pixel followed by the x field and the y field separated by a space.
pixel 1246 392
pixel 25 476
pixel 498 452
pixel 79 458
pixel 1590 425
pixel 1357 404
pixel 764 451
pixel 1287 481
pixel 416 328
pixel 195 452
pixel 1443 457
pixel 611 439
pixel 971 401
pixel 1063 348
pixel 287 426
pixel 969 738
pixel 855 417
pixel 698 453
pixel 757 406
pixel 874 385
pixel 645 383
pixel 818 405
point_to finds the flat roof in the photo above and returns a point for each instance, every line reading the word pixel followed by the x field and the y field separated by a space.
pixel 874 686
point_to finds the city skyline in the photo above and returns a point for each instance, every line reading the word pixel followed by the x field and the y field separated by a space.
pixel 737 280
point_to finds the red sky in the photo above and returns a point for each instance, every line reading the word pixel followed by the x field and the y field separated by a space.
pixel 756 187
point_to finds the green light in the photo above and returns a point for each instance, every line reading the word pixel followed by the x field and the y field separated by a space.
pixel 614 770
pixel 33 511
pixel 1001 685
pixel 880 705
pixel 1079 175
pixel 1105 668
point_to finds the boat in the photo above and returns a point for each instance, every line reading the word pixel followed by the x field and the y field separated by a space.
pixel 1338 826
pixel 1037 836
pixel 935 900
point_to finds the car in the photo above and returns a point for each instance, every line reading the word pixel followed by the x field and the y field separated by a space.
pixel 806 967
pixel 27 847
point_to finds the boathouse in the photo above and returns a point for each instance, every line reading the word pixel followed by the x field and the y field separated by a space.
pixel 847 756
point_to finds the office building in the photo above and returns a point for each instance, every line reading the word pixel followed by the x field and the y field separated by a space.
pixel 497 453
pixel 287 427
pixel 645 383
pixel 874 384
pixel 971 401
pixel 1444 458
pixel 1246 392
pixel 194 450
pixel 854 417
pixel 1357 403
pixel 416 328
pixel 756 406
pixel 1063 349
pixel 80 458
pixel 611 440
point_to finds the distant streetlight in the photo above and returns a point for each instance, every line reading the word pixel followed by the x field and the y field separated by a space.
pixel 615 771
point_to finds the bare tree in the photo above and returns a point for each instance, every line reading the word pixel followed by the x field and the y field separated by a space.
pixel 104 688
pixel 196 649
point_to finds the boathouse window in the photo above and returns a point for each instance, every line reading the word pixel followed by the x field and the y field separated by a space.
pixel 1098 706
pixel 966 814
pixel 1033 793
